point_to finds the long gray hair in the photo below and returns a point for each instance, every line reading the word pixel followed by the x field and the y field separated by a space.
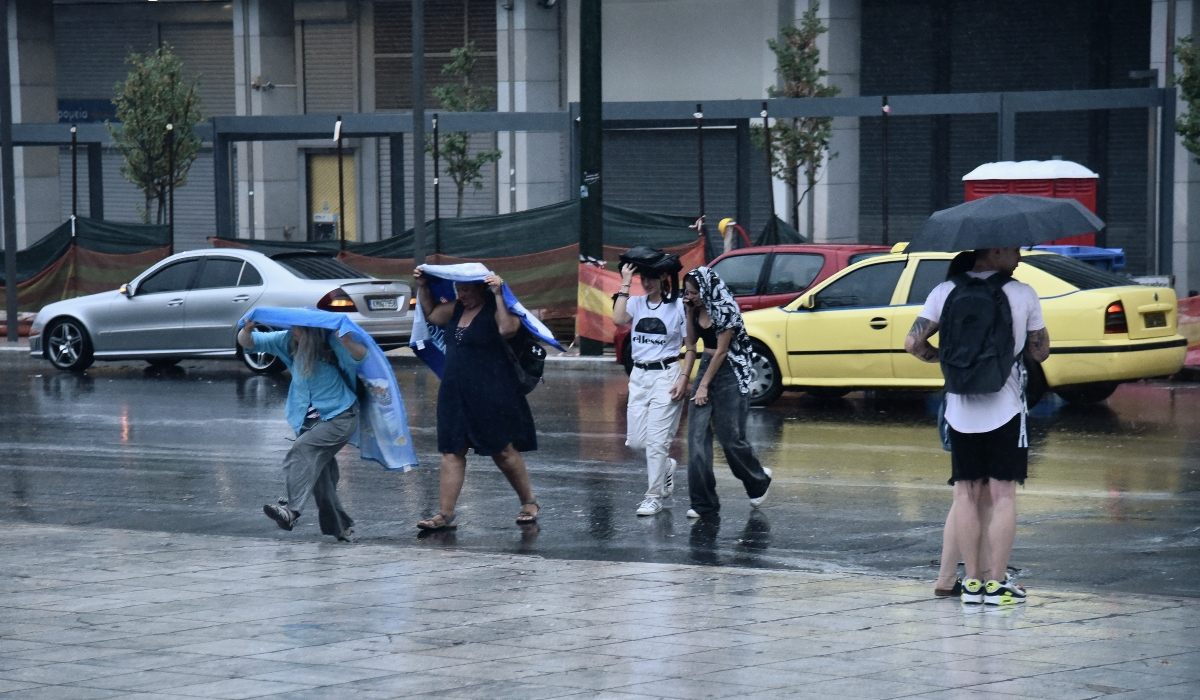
pixel 312 346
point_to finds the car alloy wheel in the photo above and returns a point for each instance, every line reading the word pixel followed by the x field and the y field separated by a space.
pixel 262 362
pixel 68 346
pixel 765 383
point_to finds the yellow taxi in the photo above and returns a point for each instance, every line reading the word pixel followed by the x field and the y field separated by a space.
pixel 848 332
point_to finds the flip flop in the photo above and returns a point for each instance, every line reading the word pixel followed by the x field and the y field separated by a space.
pixel 956 590
pixel 525 517
pixel 431 525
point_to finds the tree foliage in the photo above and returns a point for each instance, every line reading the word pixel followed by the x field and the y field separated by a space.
pixel 463 167
pixel 799 145
pixel 1188 126
pixel 153 95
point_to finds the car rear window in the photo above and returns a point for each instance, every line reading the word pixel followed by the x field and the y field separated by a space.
pixel 741 272
pixel 859 257
pixel 319 267
pixel 793 272
pixel 1076 273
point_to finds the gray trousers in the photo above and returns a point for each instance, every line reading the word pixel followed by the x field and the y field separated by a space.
pixel 724 414
pixel 311 468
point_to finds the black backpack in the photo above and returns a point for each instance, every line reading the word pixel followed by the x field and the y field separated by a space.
pixel 528 358
pixel 976 339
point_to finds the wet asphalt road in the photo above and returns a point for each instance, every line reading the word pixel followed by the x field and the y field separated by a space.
pixel 1113 502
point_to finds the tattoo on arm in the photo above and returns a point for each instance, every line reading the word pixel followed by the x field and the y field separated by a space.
pixel 917 341
pixel 1037 345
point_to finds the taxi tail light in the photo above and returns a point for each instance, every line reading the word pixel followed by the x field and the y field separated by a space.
pixel 1114 318
pixel 337 300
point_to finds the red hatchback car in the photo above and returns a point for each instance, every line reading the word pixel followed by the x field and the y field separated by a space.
pixel 768 276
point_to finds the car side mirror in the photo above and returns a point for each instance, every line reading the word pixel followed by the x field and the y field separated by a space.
pixel 127 289
pixel 808 301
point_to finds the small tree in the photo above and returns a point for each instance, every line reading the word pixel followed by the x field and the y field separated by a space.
pixel 155 94
pixel 463 96
pixel 1188 126
pixel 799 144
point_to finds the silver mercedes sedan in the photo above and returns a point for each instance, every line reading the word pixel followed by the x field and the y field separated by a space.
pixel 188 306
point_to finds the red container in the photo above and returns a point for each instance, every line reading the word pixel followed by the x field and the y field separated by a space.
pixel 1060 179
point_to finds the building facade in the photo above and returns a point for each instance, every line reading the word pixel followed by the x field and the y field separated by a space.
pixel 330 57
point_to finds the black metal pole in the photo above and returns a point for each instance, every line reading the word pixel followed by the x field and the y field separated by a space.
pixel 418 129
pixel 396 146
pixel 773 222
pixel 171 189
pixel 341 190
pixel 591 136
pixel 700 163
pixel 74 171
pixel 437 201
pixel 884 196
pixel 8 186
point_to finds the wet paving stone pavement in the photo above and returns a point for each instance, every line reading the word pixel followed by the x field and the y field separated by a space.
pixel 134 555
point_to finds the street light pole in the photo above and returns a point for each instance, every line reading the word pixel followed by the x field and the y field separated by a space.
pixel 887 109
pixel 74 172
pixel 337 136
pixel 773 222
pixel 170 188
pixel 437 201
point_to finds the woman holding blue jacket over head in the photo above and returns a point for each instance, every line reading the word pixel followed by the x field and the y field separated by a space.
pixel 322 408
pixel 480 402
pixel 720 395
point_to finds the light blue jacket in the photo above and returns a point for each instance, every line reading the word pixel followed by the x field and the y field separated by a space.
pixel 383 434
pixel 326 389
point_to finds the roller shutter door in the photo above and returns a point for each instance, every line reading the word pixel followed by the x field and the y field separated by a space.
pixel 655 170
pixel 207 54
pixel 90 56
pixel 329 68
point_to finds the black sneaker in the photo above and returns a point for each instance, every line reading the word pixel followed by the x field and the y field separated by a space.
pixel 282 515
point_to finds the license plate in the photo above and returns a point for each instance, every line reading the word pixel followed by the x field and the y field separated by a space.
pixel 383 304
pixel 1156 319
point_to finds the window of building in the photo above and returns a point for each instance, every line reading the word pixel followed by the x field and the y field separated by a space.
pixel 449 24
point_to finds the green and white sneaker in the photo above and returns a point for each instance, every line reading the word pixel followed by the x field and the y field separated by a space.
pixel 972 591
pixel 1007 593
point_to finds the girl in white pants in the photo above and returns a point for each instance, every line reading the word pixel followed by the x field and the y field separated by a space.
pixel 656 385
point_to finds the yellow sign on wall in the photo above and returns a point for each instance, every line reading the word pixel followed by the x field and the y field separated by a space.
pixel 323 190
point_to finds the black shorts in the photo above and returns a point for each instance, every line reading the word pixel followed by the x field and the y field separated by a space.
pixel 990 455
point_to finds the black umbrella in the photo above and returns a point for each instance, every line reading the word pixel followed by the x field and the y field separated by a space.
pixel 1003 221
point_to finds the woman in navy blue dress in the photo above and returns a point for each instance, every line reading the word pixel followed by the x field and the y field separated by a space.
pixel 480 404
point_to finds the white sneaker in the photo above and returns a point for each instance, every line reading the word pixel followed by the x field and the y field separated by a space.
pixel 650 506
pixel 670 485
pixel 692 514
pixel 756 502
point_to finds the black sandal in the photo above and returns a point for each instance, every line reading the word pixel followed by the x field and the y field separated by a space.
pixel 431 525
pixel 525 517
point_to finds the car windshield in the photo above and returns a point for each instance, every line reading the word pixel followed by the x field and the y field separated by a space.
pixel 1076 273
pixel 319 267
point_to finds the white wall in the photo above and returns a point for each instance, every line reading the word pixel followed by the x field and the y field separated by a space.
pixel 680 49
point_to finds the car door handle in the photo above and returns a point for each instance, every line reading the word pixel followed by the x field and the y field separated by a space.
pixel 240 298
pixel 175 302
pixel 879 323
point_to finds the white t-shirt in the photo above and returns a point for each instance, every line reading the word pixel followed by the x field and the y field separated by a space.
pixel 658 332
pixel 981 413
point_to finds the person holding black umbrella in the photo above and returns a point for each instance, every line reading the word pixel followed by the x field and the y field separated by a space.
pixel 989 325
pixel 988 322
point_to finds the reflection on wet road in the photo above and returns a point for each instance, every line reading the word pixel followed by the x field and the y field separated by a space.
pixel 860 483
